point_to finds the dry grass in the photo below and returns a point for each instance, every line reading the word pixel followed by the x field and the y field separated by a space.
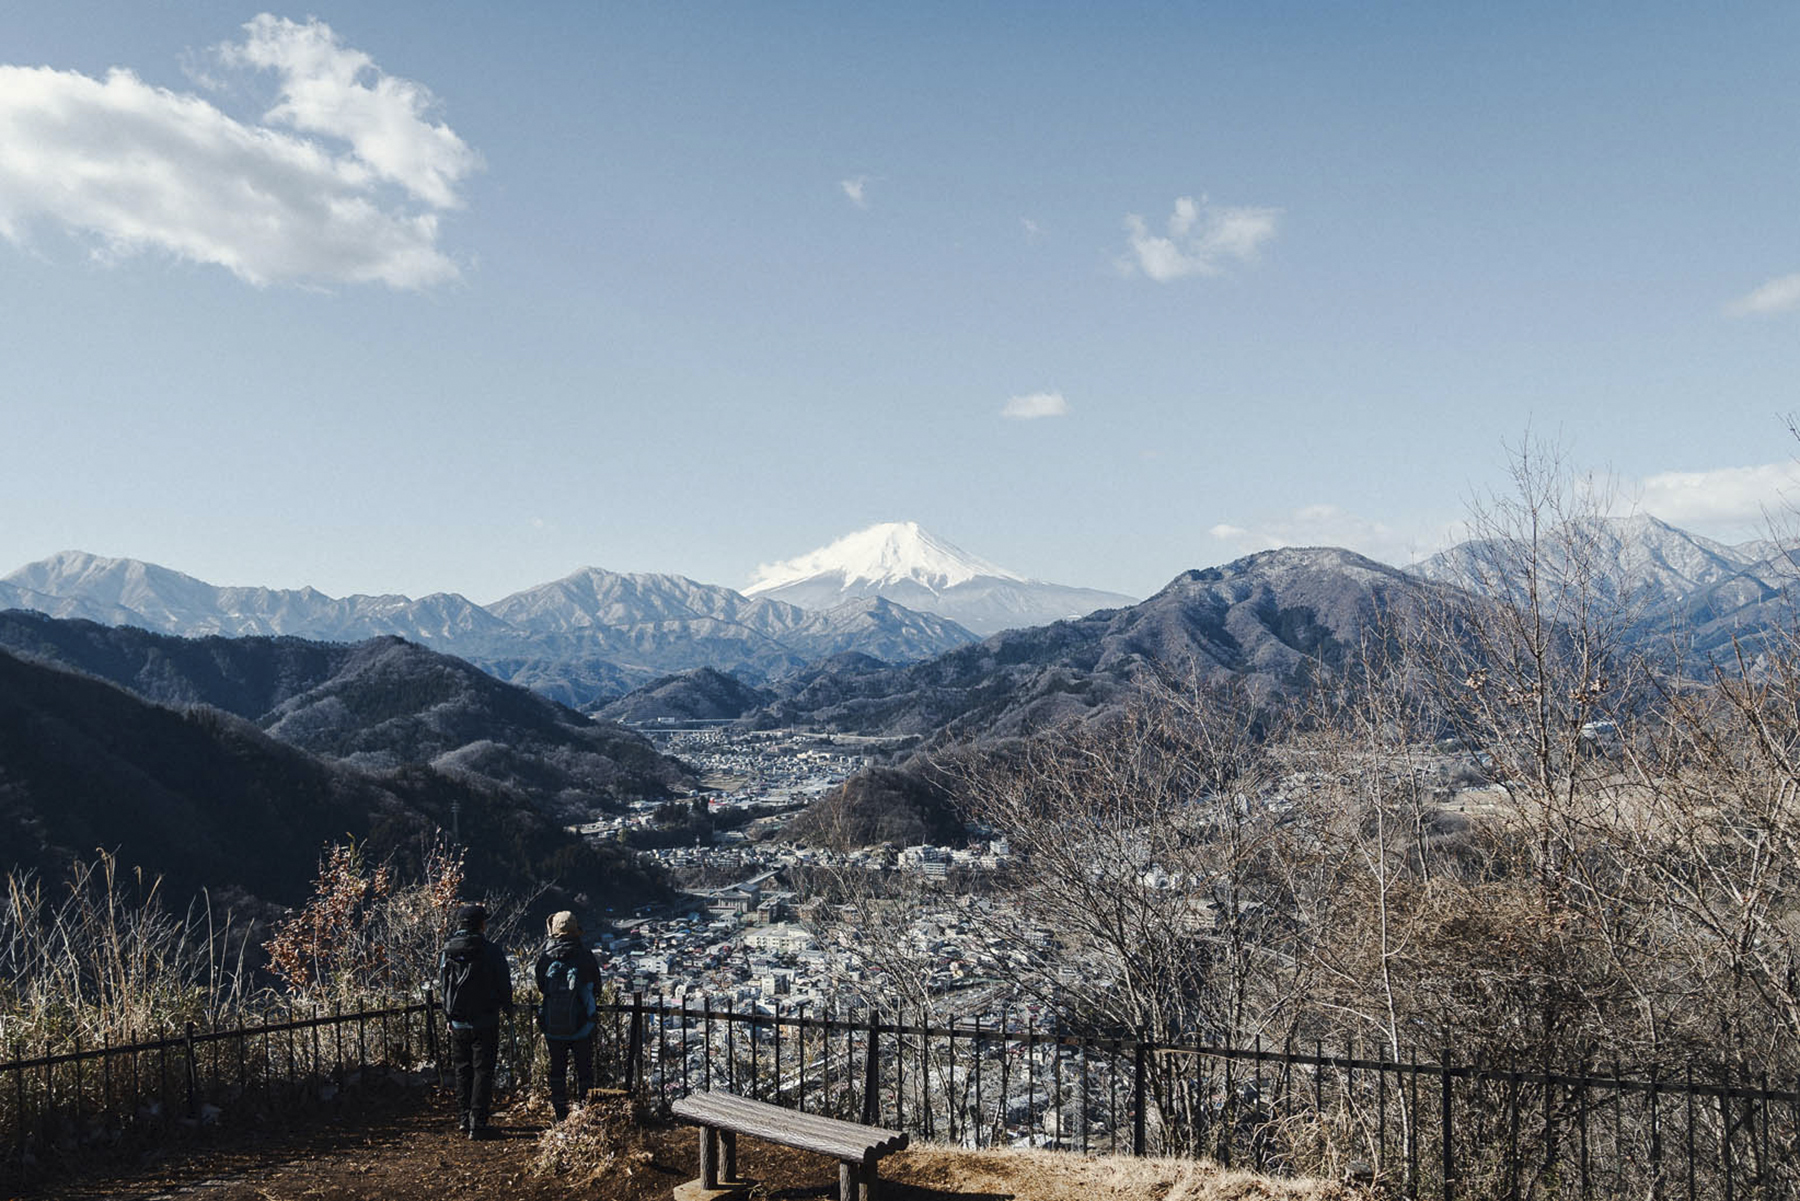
pixel 603 1139
pixel 1066 1176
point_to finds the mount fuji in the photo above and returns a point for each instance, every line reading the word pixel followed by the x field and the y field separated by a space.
pixel 902 563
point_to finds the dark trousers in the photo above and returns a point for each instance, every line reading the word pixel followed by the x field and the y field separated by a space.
pixel 472 1051
pixel 563 1052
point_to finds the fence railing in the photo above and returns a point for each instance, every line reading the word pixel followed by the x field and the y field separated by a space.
pixel 71 1100
pixel 1431 1128
pixel 1418 1128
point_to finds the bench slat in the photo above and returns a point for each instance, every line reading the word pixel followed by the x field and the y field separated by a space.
pixel 846 1141
pixel 753 1117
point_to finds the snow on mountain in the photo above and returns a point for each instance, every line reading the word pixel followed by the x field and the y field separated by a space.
pixel 884 554
pixel 589 636
pixel 1649 560
pixel 136 593
pixel 900 562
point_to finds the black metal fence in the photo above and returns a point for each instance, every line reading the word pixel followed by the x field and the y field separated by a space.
pixel 57 1103
pixel 1431 1128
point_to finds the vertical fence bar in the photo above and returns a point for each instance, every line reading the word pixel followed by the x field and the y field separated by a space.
pixel 871 1107
pixel 1581 1123
pixel 635 1046
pixel 1449 1139
pixel 193 1076
pixel 1139 1064
pixel 1412 1128
pixel 19 1103
pixel 980 1122
pixel 1656 1172
pixel 1725 1161
pixel 1691 1192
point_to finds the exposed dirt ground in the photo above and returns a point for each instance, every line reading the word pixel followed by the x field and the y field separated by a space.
pixel 394 1144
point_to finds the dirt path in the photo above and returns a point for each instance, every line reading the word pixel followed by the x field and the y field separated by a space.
pixel 389 1143
pixel 398 1144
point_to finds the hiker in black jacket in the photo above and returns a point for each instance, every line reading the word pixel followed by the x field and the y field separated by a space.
pixel 568 980
pixel 477 986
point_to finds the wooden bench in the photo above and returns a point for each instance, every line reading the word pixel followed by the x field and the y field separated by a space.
pixel 723 1116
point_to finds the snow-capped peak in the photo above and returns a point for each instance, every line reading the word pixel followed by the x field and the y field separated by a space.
pixel 888 553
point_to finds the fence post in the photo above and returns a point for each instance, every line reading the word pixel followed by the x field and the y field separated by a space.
pixel 871 1107
pixel 19 1103
pixel 1140 1059
pixel 1449 1140
pixel 634 1042
pixel 431 1042
pixel 193 1079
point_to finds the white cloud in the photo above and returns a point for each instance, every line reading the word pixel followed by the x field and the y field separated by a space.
pixel 1326 525
pixel 1035 405
pixel 1775 296
pixel 1725 502
pixel 1201 238
pixel 130 167
pixel 856 190
pixel 322 91
pixel 1033 231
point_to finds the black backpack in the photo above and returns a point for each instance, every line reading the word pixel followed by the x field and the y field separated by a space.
pixel 565 1008
pixel 468 979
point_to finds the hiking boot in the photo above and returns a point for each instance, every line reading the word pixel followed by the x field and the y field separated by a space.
pixel 481 1131
pixel 464 1123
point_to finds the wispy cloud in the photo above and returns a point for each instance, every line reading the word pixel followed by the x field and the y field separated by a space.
pixel 1035 405
pixel 1775 296
pixel 1033 231
pixel 1199 239
pixel 1327 525
pixel 857 189
pixel 1724 502
pixel 352 194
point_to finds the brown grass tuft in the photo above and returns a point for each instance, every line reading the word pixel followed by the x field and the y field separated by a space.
pixel 1067 1176
pixel 604 1139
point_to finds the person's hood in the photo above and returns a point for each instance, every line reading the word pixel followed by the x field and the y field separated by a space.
pixel 463 944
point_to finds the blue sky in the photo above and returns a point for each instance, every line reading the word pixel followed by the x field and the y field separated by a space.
pixel 406 298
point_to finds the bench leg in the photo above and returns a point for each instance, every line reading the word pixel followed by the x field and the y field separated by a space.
pixel 728 1143
pixel 871 1181
pixel 709 1158
pixel 849 1177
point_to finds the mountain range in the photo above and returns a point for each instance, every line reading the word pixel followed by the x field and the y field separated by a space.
pixel 906 564
pixel 1676 587
pixel 581 640
pixel 1268 619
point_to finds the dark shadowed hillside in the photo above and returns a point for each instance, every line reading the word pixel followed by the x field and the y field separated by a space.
pixel 381 704
pixel 882 804
pixel 207 799
pixel 699 695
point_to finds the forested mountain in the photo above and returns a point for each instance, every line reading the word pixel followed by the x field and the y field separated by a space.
pixel 206 799
pixel 1682 594
pixel 699 695
pixel 381 704
pixel 1269 619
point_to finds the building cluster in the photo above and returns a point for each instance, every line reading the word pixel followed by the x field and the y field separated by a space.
pixel 747 943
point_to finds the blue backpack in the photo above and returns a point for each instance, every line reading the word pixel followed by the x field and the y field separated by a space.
pixel 568 1007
